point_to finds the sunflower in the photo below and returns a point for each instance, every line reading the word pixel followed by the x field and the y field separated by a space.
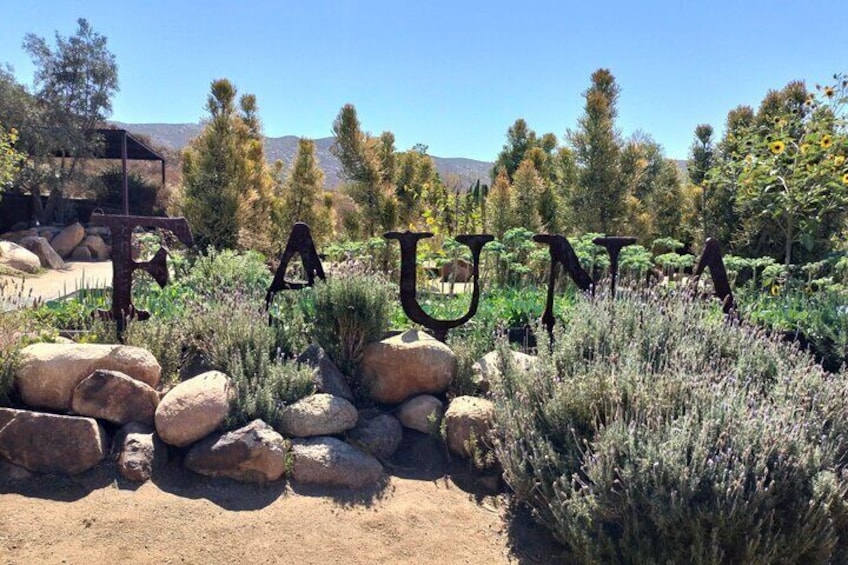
pixel 777 147
pixel 845 178
pixel 826 141
pixel 828 91
pixel 839 160
pixel 804 148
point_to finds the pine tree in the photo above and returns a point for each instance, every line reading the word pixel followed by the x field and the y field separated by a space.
pixel 227 190
pixel 302 194
pixel 368 166
pixel 501 205
pixel 527 188
pixel 598 202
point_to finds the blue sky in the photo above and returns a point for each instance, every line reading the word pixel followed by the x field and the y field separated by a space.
pixel 451 75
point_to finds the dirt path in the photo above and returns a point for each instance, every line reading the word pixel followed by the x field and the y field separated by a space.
pixel 185 518
pixel 50 285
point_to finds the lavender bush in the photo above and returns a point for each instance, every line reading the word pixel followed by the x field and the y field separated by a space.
pixel 655 432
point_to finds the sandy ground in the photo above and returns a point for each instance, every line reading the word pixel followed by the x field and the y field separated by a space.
pixel 50 284
pixel 415 517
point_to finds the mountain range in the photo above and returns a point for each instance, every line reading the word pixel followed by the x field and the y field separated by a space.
pixel 463 172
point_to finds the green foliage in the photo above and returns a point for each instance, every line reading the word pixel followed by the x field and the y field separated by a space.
pixel 656 432
pixel 350 313
pixel 818 320
pixel 302 195
pixel 228 197
pixel 368 164
pixel 10 159
pixel 599 199
pixel 108 189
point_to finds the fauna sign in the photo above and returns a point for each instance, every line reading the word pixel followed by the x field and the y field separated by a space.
pixel 300 243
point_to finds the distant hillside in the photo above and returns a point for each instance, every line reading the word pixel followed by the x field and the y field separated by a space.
pixel 177 136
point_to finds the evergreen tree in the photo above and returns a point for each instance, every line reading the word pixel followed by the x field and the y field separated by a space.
pixel 598 201
pixel 500 205
pixel 303 199
pixel 368 166
pixel 226 184
pixel 528 187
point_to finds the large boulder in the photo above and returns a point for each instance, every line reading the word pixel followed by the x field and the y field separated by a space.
pixel 45 253
pixel 17 236
pixel 488 369
pixel 194 408
pixel 380 435
pixel 66 240
pixel 113 396
pixel 460 270
pixel 405 365
pixel 17 257
pixel 50 443
pixel 49 372
pixel 468 423
pixel 422 413
pixel 327 461
pixel 252 454
pixel 98 248
pixel 81 253
pixel 325 374
pixel 318 415
pixel 139 452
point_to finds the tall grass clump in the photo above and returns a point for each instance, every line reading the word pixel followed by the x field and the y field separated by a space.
pixel 654 431
pixel 350 312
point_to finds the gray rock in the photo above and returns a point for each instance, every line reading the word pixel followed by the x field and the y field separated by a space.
pixel 66 240
pixel 113 396
pixel 327 461
pixel 45 253
pixel 194 408
pixel 253 454
pixel 98 248
pixel 50 443
pixel 422 413
pixel 404 365
pixel 468 423
pixel 17 236
pixel 139 452
pixel 48 373
pixel 81 253
pixel 17 257
pixel 488 369
pixel 326 375
pixel 318 415
pixel 380 435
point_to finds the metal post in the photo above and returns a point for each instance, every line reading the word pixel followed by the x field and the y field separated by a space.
pixel 124 170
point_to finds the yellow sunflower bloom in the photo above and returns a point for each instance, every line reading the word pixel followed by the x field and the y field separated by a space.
pixel 777 147
pixel 839 160
pixel 828 91
pixel 845 178
pixel 826 141
pixel 804 148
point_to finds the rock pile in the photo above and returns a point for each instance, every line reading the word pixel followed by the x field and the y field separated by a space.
pixel 47 247
pixel 76 393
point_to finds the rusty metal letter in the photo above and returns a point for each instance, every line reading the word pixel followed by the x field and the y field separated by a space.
pixel 614 244
pixel 711 257
pixel 408 246
pixel 123 264
pixel 300 242
pixel 561 254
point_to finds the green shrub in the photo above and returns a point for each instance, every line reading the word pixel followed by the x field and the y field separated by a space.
pixel 108 188
pixel 264 387
pixel 656 432
pixel 350 313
